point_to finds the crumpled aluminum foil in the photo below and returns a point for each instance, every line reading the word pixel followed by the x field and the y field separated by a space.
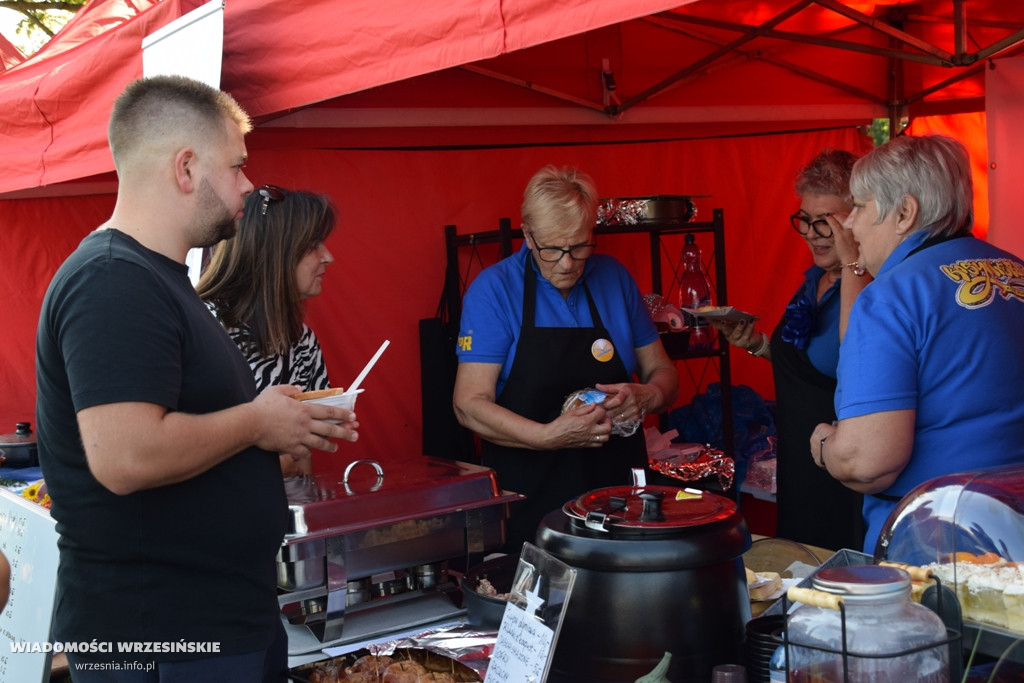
pixel 621 212
pixel 631 211
pixel 465 643
pixel 709 462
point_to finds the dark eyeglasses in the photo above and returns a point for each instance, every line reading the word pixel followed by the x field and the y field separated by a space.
pixel 577 252
pixel 270 193
pixel 802 224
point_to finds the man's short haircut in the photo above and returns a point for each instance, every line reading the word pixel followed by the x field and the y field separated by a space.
pixel 168 110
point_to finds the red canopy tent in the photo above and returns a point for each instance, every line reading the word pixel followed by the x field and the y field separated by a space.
pixel 9 54
pixel 441 117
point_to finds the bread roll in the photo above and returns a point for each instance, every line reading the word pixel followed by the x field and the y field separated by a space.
pixel 374 664
pixel 810 596
pixel 319 393
pixel 403 672
pixel 763 584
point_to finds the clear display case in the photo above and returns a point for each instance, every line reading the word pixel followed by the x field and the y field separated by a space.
pixel 968 529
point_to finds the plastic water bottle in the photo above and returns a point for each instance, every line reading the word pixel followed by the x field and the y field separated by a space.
pixel 695 292
pixel 777 665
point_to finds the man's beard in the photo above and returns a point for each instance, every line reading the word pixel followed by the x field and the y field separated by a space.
pixel 218 232
pixel 217 223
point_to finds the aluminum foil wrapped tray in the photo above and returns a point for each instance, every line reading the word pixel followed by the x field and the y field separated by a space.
pixel 656 209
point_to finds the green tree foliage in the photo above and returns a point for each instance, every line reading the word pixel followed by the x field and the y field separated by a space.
pixel 41 20
pixel 879 131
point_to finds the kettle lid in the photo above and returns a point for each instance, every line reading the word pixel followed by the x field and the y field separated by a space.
pixel 647 509
pixel 22 435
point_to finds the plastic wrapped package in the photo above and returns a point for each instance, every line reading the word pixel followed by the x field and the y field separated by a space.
pixel 588 396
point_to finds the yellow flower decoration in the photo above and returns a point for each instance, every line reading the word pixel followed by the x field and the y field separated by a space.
pixel 32 492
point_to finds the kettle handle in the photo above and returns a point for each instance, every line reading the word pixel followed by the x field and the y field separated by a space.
pixel 916 573
pixel 811 596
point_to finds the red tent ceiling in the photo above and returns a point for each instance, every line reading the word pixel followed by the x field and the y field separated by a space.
pixel 720 67
pixel 277 57
pixel 715 67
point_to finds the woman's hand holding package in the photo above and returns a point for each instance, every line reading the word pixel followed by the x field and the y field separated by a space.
pixel 586 426
pixel 629 402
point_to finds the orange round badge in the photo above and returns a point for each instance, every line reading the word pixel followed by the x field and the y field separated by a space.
pixel 602 350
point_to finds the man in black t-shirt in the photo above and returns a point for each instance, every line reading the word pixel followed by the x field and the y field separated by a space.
pixel 159 456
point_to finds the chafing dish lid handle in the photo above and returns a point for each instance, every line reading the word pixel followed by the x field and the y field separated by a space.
pixel 373 463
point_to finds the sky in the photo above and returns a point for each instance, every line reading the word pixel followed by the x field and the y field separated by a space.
pixel 8 20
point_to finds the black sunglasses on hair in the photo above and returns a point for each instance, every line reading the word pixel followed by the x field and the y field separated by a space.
pixel 270 193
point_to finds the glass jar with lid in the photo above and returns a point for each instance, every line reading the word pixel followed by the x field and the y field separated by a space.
pixel 888 638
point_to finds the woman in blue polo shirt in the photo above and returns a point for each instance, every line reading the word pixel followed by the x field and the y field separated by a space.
pixel 930 368
pixel 547 321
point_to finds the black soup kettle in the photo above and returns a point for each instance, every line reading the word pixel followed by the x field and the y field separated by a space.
pixel 19 448
pixel 659 569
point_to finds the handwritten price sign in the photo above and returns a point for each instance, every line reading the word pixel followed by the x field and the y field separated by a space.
pixel 529 627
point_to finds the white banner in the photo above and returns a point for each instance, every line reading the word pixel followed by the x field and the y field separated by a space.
pixel 191 45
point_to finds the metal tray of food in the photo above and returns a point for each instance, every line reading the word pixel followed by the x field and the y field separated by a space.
pixel 369 495
pixel 421 660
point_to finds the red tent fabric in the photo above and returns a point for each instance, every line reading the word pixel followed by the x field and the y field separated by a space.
pixel 10 55
pixel 727 67
pixel 276 58
pixel 55 103
pixel 351 46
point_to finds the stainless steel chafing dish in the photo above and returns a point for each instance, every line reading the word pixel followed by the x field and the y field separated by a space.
pixel 367 553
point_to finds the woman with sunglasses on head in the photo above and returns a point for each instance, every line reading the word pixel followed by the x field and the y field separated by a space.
pixel 542 324
pixel 256 284
pixel 804 351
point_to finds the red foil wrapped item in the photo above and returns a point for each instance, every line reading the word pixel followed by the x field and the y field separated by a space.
pixel 692 463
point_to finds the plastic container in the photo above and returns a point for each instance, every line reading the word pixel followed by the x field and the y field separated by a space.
pixel 694 293
pixel 888 638
pixel 777 665
pixel 968 530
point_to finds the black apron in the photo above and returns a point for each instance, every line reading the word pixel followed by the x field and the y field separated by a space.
pixel 813 507
pixel 551 363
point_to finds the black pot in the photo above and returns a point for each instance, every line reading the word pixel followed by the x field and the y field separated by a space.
pixel 481 610
pixel 658 570
pixel 18 449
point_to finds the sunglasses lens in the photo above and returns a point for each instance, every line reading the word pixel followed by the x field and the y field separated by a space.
pixel 269 193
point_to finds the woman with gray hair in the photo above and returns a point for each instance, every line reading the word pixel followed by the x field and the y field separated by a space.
pixel 546 322
pixel 930 368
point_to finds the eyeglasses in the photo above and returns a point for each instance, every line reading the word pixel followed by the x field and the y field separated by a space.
pixel 577 252
pixel 802 224
pixel 270 193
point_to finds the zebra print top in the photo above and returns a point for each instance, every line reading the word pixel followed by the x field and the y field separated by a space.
pixel 302 366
